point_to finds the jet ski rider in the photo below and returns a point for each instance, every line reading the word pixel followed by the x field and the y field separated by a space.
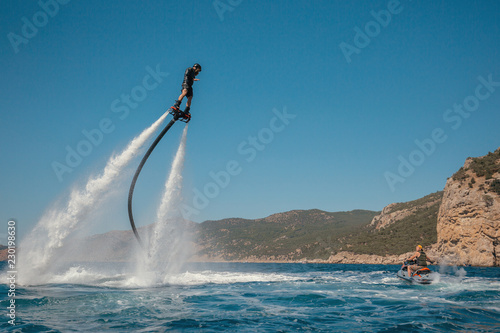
pixel 422 259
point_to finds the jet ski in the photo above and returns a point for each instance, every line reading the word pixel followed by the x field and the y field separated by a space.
pixel 421 276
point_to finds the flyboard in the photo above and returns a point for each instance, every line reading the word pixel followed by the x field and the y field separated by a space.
pixel 177 115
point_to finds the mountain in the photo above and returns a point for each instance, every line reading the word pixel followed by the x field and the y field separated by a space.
pixel 460 225
pixel 315 235
pixel 288 236
pixel 469 217
pixel 399 228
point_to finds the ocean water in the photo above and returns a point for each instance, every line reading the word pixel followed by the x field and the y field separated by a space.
pixel 248 297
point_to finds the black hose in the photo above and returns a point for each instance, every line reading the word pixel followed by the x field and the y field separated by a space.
pixel 138 171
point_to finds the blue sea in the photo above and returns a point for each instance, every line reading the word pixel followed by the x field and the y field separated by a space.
pixel 254 297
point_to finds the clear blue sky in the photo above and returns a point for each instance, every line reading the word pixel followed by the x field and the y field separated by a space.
pixel 356 112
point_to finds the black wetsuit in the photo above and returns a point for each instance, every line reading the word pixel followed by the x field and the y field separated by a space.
pixel 189 76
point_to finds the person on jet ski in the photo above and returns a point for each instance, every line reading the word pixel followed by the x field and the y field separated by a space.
pixel 187 87
pixel 421 258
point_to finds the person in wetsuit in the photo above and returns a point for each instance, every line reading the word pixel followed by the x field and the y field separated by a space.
pixel 187 87
pixel 422 259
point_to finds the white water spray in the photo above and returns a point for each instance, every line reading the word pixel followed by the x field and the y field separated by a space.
pixel 168 243
pixel 38 249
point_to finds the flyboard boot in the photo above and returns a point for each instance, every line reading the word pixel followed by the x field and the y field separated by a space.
pixel 174 109
pixel 185 116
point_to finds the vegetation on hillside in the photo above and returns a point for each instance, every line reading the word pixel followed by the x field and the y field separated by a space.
pixel 495 186
pixel 315 234
pixel 402 236
pixel 417 203
pixel 484 166
pixel 294 235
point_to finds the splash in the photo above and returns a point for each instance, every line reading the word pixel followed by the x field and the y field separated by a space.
pixel 168 242
pixel 448 266
pixel 38 255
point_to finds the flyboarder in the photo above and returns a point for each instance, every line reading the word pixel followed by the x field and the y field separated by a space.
pixel 184 116
pixel 187 88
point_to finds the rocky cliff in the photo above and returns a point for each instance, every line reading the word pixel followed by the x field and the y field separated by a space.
pixel 397 212
pixel 469 217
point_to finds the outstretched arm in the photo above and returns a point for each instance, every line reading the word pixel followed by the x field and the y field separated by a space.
pixel 414 256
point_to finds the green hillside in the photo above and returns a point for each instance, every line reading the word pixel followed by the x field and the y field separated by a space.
pixel 484 166
pixel 401 237
pixel 294 235
pixel 316 234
